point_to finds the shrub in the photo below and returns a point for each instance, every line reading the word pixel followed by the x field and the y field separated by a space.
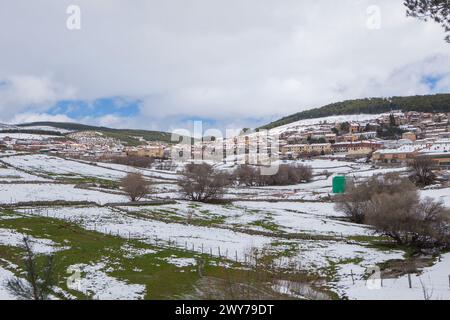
pixel 392 205
pixel 286 175
pixel 200 182
pixel 356 201
pixel 134 161
pixel 419 224
pixel 422 171
pixel 247 175
pixel 135 185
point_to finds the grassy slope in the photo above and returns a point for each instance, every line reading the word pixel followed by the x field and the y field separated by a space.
pixel 162 280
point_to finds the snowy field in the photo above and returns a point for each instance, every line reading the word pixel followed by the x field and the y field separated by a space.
pixel 113 221
pixel 13 193
pixel 26 136
pixel 303 227
pixel 58 166
pixel 438 195
pixel 431 284
pixel 11 175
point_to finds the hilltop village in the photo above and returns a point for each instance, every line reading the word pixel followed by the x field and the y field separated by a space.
pixel 390 138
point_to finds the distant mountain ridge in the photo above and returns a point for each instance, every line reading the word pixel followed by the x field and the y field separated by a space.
pixel 129 136
pixel 425 103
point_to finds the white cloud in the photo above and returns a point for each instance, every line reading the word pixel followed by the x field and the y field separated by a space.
pixel 36 117
pixel 216 59
pixel 21 92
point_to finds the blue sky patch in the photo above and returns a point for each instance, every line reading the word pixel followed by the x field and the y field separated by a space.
pixel 432 81
pixel 77 109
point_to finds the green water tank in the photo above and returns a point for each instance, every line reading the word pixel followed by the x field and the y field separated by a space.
pixel 339 183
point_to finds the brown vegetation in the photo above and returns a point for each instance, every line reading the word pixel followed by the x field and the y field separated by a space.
pixel 201 182
pixel 135 185
pixel 286 175
pixel 392 205
pixel 140 162
pixel 422 171
pixel 355 202
pixel 261 279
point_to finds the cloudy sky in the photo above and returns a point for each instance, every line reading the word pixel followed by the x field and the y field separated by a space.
pixel 160 64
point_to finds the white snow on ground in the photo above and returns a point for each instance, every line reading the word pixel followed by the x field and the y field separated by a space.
pixel 299 218
pixel 434 281
pixel 5 275
pixel 312 255
pixel 320 209
pixel 46 128
pixel 330 119
pixel 438 195
pixel 131 252
pixel 181 262
pixel 291 217
pixel 95 282
pixel 146 172
pixel 11 174
pixel 315 218
pixel 374 172
pixel 197 237
pixel 12 193
pixel 26 136
pixel 315 255
pixel 55 165
pixel 40 246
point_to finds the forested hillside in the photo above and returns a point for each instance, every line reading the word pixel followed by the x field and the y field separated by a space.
pixel 428 103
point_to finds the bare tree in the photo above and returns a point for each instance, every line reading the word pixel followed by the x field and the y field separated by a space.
pixel 135 185
pixel 422 171
pixel 200 182
pixel 39 278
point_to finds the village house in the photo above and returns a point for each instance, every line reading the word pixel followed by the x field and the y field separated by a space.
pixel 152 151
pixel 409 136
pixel 402 154
pixel 296 150
pixel 439 153
pixel 360 148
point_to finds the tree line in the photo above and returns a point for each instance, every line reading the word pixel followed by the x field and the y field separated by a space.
pixel 203 183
